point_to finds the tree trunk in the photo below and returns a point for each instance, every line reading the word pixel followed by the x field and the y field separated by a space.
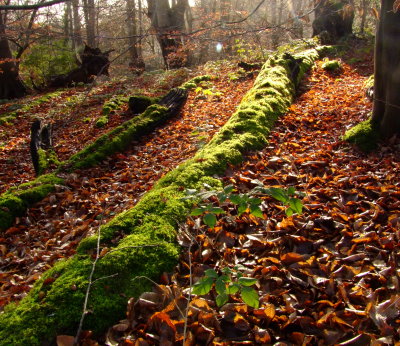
pixel 168 21
pixel 77 36
pixel 386 111
pixel 89 10
pixel 333 19
pixel 136 64
pixel 11 85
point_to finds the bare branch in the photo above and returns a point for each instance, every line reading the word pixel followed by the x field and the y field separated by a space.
pixel 33 6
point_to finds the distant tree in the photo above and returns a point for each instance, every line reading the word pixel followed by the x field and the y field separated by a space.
pixel 333 19
pixel 136 63
pixel 168 21
pixel 11 85
pixel 386 110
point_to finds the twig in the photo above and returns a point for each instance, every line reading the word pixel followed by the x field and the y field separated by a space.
pixel 76 340
pixel 190 290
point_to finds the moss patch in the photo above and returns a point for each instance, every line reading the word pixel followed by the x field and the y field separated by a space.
pixel 332 65
pixel 16 200
pixel 194 82
pixel 55 307
pixel 365 135
pixel 118 139
pixel 13 113
pixel 109 106
pixel 139 103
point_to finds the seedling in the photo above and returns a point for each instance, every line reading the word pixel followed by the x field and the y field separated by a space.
pixel 230 282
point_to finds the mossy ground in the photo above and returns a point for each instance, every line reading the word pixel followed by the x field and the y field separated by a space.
pixel 153 222
pixel 9 116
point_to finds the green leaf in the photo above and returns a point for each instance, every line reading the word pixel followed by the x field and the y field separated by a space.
pixel 250 296
pixel 203 286
pixel 210 220
pixel 197 211
pixel 247 281
pixel 256 211
pixel 222 197
pixel 233 288
pixel 220 286
pixel 211 273
pixel 296 205
pixel 221 299
pixel 227 270
pixel 278 194
pixel 291 191
pixel 216 210
pixel 289 212
pixel 228 189
pixel 235 199
pixel 242 208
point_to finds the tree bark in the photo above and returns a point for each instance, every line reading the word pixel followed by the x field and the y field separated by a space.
pixel 11 85
pixel 386 110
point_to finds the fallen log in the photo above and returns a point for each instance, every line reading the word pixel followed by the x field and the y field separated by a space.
pixel 41 146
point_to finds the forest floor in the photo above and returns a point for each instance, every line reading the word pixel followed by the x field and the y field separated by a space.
pixel 327 276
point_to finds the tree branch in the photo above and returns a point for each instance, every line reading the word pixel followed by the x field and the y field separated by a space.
pixel 33 6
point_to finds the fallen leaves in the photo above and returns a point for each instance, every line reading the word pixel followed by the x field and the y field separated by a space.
pixel 52 229
pixel 328 276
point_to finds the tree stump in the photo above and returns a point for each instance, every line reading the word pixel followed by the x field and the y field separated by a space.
pixel 41 146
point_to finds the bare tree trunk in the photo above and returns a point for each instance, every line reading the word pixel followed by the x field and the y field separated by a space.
pixel 136 64
pixel 77 36
pixel 385 116
pixel 364 11
pixel 168 20
pixel 11 85
pixel 89 11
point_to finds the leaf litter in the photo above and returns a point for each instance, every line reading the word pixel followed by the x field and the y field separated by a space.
pixel 328 276
pixel 52 229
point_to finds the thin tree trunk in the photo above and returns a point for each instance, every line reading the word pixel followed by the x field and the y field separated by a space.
pixel 89 11
pixel 11 85
pixel 77 36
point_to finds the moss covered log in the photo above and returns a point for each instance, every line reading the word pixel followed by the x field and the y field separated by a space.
pixel 55 303
pixel 15 201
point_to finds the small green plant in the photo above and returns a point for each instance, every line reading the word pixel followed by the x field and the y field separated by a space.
pixel 230 282
pixel 243 202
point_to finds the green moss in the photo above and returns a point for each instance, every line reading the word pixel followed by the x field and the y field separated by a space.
pixel 47 158
pixel 369 83
pixel 365 135
pixel 56 307
pixel 16 200
pixel 109 106
pixel 194 82
pixel 331 65
pixel 13 113
pixel 139 103
pixel 118 139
